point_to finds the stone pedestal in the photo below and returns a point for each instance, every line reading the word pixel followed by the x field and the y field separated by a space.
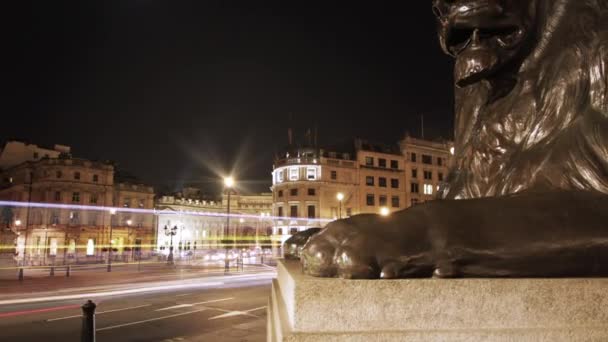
pixel 304 308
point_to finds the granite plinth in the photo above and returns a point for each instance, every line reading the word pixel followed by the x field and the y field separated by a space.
pixel 304 308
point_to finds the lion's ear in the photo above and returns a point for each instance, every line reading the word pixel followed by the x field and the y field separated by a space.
pixel 598 78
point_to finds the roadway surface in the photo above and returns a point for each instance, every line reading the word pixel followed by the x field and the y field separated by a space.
pixel 163 304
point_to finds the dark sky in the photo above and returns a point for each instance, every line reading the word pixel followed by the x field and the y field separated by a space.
pixel 180 91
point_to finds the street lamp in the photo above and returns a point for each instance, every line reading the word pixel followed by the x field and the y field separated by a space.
pixel 112 212
pixel 170 232
pixel 17 222
pixel 340 197
pixel 129 222
pixel 384 211
pixel 228 183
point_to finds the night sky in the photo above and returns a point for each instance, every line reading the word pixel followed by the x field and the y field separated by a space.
pixel 178 92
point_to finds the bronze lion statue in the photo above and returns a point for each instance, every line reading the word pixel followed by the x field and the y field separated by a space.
pixel 528 195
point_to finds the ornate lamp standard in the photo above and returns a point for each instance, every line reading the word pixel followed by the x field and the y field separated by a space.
pixel 170 232
pixel 228 184
pixel 112 212
pixel 340 197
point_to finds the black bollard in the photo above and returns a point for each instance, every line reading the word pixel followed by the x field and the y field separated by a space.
pixel 21 274
pixel 52 271
pixel 88 322
pixel 67 272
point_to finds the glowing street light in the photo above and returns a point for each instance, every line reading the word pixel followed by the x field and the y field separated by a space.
pixel 340 197
pixel 228 184
pixel 17 222
pixel 129 222
pixel 384 211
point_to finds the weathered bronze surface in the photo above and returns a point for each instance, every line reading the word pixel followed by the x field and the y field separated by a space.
pixel 292 247
pixel 528 196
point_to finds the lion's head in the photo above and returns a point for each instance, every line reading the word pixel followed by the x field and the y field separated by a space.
pixel 532 94
pixel 485 36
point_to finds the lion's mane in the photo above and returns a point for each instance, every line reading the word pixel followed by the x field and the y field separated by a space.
pixel 550 130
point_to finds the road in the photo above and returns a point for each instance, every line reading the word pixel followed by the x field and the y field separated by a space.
pixel 199 306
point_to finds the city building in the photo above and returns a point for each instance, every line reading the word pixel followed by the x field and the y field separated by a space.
pixel 314 186
pixel 427 166
pixel 201 223
pixel 16 152
pixel 67 220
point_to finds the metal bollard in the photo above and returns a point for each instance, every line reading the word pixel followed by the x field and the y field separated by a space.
pixel 20 274
pixel 67 272
pixel 88 322
pixel 52 271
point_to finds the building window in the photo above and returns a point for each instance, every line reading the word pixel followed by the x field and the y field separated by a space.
pixel 58 174
pixel 280 193
pixel 311 211
pixel 395 201
pixel 382 182
pixel 293 231
pixel 369 161
pixel 95 178
pixel 369 180
pixel 312 192
pixel 55 218
pixel 294 174
pixel 428 175
pixel 394 183
pixel 74 217
pixel 293 211
pixel 280 176
pixel 92 219
pixel 141 203
pixel 414 188
pixel 413 157
pixel 57 196
pixel 90 247
pixel 76 197
pixel 440 176
pixel 414 173
pixel 311 173
pixel 426 159
pixel 370 199
pixel 127 203
pixel 53 246
pixel 439 161
pixel 382 162
pixel 349 212
pixel 293 192
pixel 76 175
pixel 280 211
pixel 394 164
pixel 428 189
pixel 382 200
pixel 334 175
pixel 93 198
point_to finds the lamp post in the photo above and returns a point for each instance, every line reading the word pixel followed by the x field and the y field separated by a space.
pixel 340 197
pixel 228 183
pixel 112 212
pixel 170 232
pixel 129 222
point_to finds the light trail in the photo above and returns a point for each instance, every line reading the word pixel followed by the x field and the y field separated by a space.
pixel 28 312
pixel 150 211
pixel 149 320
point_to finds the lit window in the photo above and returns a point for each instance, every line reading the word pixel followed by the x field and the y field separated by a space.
pixel 294 174
pixel 280 176
pixel 428 189
pixel 369 161
pixel 90 247
pixel 53 247
pixel 311 173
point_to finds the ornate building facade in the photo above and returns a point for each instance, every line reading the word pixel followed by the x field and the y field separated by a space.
pixel 62 211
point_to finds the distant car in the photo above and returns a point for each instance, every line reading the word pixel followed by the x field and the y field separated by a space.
pixel 292 248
